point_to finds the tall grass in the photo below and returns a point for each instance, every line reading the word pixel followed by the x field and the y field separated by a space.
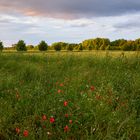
pixel 102 92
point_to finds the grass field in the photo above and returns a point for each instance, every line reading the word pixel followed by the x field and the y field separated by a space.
pixel 70 96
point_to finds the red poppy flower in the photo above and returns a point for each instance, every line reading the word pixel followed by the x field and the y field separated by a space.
pixel 44 117
pixel 17 130
pixel 25 133
pixel 70 121
pixel 59 91
pixel 52 120
pixel 66 128
pixel 92 88
pixel 65 103
pixel 66 115
pixel 61 85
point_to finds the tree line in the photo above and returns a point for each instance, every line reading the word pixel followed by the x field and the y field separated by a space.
pixel 90 44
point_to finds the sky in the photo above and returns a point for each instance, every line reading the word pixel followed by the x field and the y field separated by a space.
pixel 68 20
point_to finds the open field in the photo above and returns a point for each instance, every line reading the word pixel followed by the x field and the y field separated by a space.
pixel 70 96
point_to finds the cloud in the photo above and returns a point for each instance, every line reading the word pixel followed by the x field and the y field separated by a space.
pixel 128 22
pixel 71 9
pixel 128 25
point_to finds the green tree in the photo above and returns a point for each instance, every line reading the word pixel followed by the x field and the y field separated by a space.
pixel 88 44
pixel 57 46
pixel 118 44
pixel 30 47
pixel 72 46
pixel 21 46
pixel 1 46
pixel 105 43
pixel 129 46
pixel 80 47
pixel 43 46
pixel 137 44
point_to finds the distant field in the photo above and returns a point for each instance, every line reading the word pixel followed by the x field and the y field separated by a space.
pixel 70 96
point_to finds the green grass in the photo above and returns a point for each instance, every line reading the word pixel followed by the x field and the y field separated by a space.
pixel 29 85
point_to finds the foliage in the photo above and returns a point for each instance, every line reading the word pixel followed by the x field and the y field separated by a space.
pixel 30 47
pixel 71 47
pixel 96 44
pixel 21 46
pixel 129 46
pixel 43 46
pixel 1 46
pixel 57 46
pixel 89 44
pixel 80 47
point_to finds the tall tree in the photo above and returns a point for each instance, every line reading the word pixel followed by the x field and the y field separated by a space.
pixel 43 46
pixel 21 46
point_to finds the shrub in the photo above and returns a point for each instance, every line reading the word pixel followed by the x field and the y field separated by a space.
pixel 21 46
pixel 30 47
pixel 70 47
pixel 57 46
pixel 43 46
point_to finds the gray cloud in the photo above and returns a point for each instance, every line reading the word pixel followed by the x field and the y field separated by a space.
pixel 128 25
pixel 72 8
pixel 131 22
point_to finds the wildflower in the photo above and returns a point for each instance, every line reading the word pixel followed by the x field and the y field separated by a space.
pixel 65 103
pixel 61 85
pixel 25 133
pixel 92 88
pixel 52 120
pixel 17 130
pixel 70 121
pixel 44 117
pixel 66 115
pixel 59 91
pixel 66 128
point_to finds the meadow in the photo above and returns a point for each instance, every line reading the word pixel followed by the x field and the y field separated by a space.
pixel 70 96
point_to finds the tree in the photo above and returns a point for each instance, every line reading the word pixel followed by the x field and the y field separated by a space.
pixel 88 44
pixel 137 44
pixel 129 46
pixel 118 44
pixel 105 43
pixel 57 46
pixel 80 48
pixel 30 47
pixel 21 46
pixel 43 46
pixel 72 46
pixel 1 46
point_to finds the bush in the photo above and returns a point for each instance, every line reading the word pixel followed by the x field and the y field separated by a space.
pixel 30 47
pixel 70 47
pixel 1 46
pixel 57 46
pixel 43 46
pixel 21 46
